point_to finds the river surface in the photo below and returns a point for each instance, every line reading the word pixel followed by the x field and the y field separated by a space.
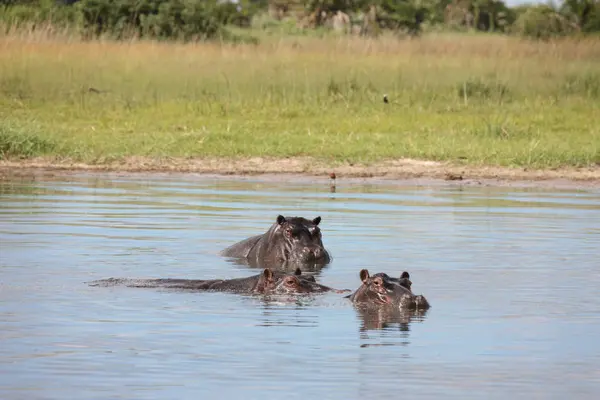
pixel 512 274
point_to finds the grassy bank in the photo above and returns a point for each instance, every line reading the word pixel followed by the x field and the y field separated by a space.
pixel 475 99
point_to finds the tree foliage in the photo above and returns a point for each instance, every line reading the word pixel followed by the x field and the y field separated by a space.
pixel 206 19
pixel 180 19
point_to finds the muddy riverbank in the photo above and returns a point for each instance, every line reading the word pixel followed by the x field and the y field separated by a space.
pixel 415 171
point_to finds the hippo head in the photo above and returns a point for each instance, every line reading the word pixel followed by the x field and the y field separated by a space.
pixel 400 293
pixel 403 281
pixel 301 239
pixel 298 283
pixel 374 289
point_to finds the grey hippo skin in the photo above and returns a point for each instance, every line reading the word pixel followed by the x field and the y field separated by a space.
pixel 290 241
pixel 382 290
pixel 267 282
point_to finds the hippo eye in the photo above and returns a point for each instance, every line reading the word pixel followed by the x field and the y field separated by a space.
pixel 290 281
pixel 288 232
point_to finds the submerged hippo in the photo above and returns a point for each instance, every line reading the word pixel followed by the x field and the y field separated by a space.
pixel 267 282
pixel 382 290
pixel 289 241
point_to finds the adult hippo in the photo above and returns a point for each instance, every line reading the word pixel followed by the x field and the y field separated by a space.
pixel 267 282
pixel 290 241
pixel 381 290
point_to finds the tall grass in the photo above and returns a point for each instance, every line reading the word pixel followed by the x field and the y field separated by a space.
pixel 479 99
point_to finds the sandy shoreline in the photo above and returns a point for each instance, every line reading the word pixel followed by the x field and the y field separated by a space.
pixel 308 168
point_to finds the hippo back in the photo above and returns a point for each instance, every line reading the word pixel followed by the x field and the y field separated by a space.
pixel 242 248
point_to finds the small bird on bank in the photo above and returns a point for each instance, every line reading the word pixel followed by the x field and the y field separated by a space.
pixel 385 99
pixel 96 91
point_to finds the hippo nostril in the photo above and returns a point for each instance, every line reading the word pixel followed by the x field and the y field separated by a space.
pixel 312 252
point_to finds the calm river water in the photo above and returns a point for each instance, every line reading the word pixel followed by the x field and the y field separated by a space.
pixel 512 274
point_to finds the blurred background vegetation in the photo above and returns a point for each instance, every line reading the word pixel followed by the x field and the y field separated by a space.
pixel 246 20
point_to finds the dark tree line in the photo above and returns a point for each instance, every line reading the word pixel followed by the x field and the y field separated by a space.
pixel 206 19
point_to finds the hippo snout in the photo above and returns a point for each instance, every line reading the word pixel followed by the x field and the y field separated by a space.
pixel 313 253
pixel 318 252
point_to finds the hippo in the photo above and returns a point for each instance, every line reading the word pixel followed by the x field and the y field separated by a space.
pixel 290 241
pixel 381 290
pixel 267 282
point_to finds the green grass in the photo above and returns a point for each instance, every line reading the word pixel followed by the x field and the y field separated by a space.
pixel 15 144
pixel 480 100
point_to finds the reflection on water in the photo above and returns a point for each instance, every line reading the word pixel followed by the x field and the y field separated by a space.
pixel 511 274
pixel 310 268
pixel 388 318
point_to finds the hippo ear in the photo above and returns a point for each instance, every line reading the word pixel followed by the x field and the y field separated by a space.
pixel 280 219
pixel 364 275
pixel 405 275
pixel 317 220
pixel 298 272
pixel 268 274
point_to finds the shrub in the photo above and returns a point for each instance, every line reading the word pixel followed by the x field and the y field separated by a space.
pixel 542 22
